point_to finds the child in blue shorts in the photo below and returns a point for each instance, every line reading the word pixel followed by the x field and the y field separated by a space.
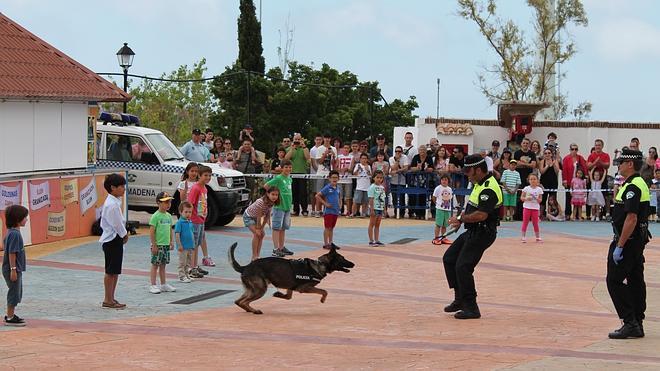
pixel 13 262
pixel 442 196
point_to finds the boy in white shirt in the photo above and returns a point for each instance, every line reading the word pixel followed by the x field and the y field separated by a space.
pixel 360 197
pixel 113 238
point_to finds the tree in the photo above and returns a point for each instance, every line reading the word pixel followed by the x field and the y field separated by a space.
pixel 525 70
pixel 250 49
pixel 312 102
pixel 174 108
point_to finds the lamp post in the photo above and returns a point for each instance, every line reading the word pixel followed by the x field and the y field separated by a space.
pixel 125 58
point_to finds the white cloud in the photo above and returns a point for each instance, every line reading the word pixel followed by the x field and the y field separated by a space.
pixel 627 39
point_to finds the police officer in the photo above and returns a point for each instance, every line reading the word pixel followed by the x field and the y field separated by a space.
pixel 481 218
pixel 625 260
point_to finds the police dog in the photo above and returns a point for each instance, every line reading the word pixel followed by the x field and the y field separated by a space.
pixel 300 275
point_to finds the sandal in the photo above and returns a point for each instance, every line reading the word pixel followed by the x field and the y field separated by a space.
pixel 436 241
pixel 113 305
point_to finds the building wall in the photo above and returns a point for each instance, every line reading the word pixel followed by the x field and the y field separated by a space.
pixel 39 136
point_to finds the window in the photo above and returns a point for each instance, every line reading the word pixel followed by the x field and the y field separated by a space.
pixel 126 148
pixel 164 147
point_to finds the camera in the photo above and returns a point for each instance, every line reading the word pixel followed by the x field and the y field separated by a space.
pixel 296 142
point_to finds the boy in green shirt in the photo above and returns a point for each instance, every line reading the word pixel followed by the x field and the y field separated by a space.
pixel 162 241
pixel 281 219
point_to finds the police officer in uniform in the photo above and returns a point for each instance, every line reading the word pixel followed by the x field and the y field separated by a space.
pixel 481 218
pixel 625 260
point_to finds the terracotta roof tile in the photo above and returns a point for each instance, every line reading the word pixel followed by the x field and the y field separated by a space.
pixel 30 68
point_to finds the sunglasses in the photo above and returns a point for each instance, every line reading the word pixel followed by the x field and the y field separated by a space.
pixel 227 142
pixel 574 149
pixel 398 150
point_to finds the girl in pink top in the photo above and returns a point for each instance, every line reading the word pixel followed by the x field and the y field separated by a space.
pixel 531 198
pixel 578 194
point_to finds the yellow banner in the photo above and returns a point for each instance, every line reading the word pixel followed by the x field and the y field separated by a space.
pixel 69 190
pixel 57 224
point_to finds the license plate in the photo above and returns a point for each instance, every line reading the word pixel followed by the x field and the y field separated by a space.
pixel 245 196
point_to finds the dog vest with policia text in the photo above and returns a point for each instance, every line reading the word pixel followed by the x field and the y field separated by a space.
pixel 304 273
pixel 481 199
pixel 632 197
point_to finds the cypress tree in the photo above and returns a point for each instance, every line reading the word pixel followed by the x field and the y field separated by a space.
pixel 250 49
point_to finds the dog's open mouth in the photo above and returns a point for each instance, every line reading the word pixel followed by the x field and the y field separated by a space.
pixel 343 270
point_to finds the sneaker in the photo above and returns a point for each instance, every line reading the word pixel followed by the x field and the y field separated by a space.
pixel 202 271
pixel 295 214
pixel 318 214
pixel 378 243
pixel 539 239
pixel 185 280
pixel 167 288
pixel 194 273
pixel 15 321
pixel 286 251
pixel 208 261
pixel 305 213
pixel 523 240
pixel 335 246
pixel 372 243
pixel 278 253
pixel 154 289
pixel 327 247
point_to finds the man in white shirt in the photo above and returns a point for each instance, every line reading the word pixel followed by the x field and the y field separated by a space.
pixel 326 160
pixel 113 238
pixel 317 184
pixel 409 149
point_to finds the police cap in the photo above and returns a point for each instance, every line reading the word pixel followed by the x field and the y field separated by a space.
pixel 474 160
pixel 628 155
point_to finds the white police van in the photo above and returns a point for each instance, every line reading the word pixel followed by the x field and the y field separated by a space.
pixel 155 164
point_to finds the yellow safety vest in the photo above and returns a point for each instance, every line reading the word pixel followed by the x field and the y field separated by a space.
pixel 489 183
pixel 640 183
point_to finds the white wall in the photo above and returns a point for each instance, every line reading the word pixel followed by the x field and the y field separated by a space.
pixel 42 136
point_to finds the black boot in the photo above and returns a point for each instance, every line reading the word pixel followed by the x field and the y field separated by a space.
pixel 455 306
pixel 468 312
pixel 628 330
pixel 641 329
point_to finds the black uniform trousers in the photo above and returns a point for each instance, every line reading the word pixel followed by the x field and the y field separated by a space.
pixel 462 257
pixel 299 190
pixel 629 298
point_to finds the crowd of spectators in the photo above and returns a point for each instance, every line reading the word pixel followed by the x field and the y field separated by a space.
pixel 410 166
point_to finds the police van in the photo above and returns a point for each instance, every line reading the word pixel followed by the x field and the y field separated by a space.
pixel 155 164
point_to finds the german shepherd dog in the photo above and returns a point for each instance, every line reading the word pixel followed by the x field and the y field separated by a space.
pixel 300 275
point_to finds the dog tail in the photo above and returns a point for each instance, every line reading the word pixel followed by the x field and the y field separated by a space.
pixel 237 267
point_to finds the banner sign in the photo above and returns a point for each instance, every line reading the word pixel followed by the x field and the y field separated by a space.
pixel 39 195
pixel 69 191
pixel 10 195
pixel 88 196
pixel 56 223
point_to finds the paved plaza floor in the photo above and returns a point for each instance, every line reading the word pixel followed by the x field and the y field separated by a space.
pixel 544 306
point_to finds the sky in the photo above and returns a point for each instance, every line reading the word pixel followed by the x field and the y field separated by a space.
pixel 404 45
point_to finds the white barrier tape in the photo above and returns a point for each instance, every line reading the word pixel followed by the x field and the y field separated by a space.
pixel 315 176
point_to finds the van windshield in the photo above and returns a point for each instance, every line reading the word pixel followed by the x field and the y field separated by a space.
pixel 166 149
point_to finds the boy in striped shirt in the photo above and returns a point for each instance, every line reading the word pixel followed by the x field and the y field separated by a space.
pixel 510 183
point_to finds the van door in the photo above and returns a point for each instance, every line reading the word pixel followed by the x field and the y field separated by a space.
pixel 144 169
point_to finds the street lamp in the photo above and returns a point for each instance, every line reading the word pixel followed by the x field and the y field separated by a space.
pixel 125 58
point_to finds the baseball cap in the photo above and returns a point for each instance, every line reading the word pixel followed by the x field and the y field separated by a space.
pixel 248 126
pixel 380 136
pixel 163 196
pixel 196 131
pixel 496 143
pixel 513 162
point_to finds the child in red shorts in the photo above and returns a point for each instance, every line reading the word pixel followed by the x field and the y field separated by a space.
pixel 329 196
